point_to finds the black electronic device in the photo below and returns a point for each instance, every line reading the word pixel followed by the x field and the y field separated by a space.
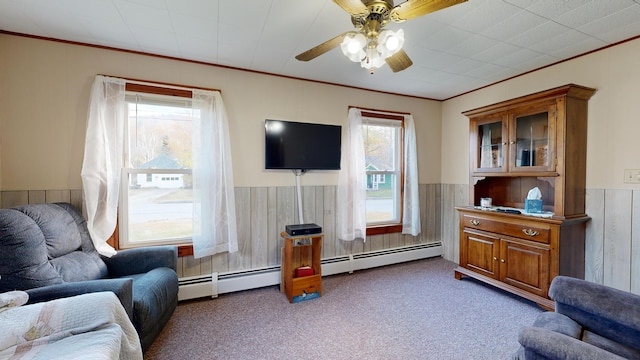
pixel 509 211
pixel 301 146
pixel 303 229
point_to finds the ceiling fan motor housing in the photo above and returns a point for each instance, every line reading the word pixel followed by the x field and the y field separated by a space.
pixel 378 16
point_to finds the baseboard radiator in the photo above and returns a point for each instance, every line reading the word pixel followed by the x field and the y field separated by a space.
pixel 219 283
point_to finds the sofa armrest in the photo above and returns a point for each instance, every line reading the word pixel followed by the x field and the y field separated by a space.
pixel 606 311
pixel 123 288
pixel 546 344
pixel 559 323
pixel 141 260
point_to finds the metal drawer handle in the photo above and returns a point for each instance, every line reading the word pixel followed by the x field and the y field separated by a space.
pixel 530 232
pixel 474 222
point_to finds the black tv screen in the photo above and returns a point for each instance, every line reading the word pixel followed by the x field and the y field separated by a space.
pixel 301 146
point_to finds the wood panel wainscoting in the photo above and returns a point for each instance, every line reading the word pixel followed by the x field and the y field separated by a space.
pixel 262 213
pixel 613 230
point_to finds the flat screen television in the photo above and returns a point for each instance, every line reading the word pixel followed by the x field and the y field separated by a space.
pixel 301 146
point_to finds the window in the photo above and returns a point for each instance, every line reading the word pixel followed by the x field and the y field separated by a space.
pixel 111 174
pixel 156 191
pixel 383 161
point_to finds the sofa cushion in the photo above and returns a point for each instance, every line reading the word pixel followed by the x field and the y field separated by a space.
pixel 79 266
pixel 24 263
pixel 46 244
pixel 57 226
pixel 93 267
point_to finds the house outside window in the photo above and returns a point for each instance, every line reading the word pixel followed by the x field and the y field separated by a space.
pixel 383 160
pixel 156 193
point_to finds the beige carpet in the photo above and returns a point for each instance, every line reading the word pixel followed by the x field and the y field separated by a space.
pixel 415 310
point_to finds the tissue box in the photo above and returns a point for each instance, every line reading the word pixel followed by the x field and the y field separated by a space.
pixel 533 205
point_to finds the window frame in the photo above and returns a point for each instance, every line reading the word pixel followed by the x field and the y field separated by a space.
pixel 396 227
pixel 185 246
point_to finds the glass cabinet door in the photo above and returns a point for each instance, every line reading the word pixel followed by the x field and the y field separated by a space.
pixel 532 139
pixel 489 145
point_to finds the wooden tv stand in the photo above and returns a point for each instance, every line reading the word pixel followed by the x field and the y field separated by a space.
pixel 297 251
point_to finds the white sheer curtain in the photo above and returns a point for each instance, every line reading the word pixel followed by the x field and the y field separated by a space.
pixel 214 214
pixel 411 200
pixel 102 164
pixel 214 202
pixel 351 209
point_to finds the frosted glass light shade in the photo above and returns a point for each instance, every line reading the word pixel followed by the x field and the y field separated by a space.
pixel 373 60
pixel 352 46
pixel 389 42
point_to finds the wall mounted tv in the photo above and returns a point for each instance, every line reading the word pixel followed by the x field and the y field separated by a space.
pixel 301 146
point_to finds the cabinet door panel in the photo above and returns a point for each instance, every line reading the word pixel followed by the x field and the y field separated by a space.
pixel 532 138
pixel 482 252
pixel 489 144
pixel 525 266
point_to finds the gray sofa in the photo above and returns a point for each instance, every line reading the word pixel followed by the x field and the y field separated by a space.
pixel 46 250
pixel 590 321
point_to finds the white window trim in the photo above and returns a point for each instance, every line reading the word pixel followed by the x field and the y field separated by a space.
pixel 123 216
pixel 397 189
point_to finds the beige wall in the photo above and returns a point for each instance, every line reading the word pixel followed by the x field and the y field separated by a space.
pixel 44 89
pixel 44 93
pixel 613 124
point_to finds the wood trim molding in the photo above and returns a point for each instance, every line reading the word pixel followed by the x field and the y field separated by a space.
pixel 159 90
pixel 162 88
pixel 386 229
pixel 384 114
pixel 114 240
pixel 185 250
pixel 378 115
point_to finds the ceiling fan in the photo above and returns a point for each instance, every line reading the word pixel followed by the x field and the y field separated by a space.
pixel 370 43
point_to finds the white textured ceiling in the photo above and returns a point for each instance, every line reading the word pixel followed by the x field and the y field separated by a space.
pixel 454 50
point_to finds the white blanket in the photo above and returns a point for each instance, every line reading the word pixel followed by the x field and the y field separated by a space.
pixel 89 326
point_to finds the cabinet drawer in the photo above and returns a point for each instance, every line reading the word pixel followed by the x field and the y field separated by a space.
pixel 306 284
pixel 523 231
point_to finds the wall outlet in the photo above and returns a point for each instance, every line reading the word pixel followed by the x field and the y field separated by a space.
pixel 632 176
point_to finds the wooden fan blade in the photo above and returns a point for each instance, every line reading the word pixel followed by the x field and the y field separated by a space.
pixel 413 8
pixel 399 61
pixel 353 7
pixel 316 51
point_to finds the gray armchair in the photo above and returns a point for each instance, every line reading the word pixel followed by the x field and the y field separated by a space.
pixel 46 250
pixel 590 321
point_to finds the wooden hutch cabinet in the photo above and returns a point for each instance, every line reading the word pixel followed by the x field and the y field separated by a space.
pixel 538 140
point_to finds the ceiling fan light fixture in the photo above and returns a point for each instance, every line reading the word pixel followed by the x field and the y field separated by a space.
pixel 375 45
pixel 352 46
pixel 389 42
